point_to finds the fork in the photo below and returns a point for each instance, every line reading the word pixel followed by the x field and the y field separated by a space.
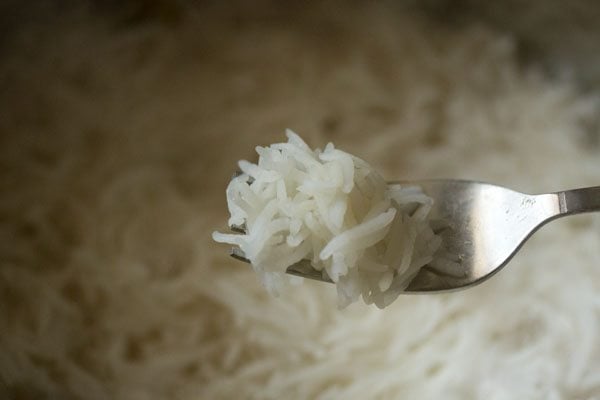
pixel 482 226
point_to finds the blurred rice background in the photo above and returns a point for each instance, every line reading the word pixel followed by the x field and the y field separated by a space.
pixel 120 125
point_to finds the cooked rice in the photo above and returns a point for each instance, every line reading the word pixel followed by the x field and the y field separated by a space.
pixel 116 138
pixel 334 209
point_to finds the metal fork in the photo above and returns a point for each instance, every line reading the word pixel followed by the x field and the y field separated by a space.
pixel 484 226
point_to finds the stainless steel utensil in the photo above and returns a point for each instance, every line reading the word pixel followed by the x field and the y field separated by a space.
pixel 484 226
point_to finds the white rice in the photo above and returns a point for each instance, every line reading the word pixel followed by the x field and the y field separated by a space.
pixel 334 209
pixel 115 144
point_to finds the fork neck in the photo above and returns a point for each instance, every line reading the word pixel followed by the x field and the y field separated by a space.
pixel 578 201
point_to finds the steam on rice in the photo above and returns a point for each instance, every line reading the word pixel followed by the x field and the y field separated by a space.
pixel 335 210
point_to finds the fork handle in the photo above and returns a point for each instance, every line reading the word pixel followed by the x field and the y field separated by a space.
pixel 578 201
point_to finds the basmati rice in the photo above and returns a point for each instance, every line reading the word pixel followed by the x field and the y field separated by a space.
pixel 112 175
pixel 334 209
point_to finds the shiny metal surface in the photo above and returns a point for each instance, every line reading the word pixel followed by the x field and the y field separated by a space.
pixel 483 227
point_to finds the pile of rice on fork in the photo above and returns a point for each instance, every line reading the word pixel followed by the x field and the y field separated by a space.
pixel 120 129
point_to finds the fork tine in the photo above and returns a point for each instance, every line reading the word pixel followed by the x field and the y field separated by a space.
pixel 302 268
pixel 238 228
pixel 238 254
